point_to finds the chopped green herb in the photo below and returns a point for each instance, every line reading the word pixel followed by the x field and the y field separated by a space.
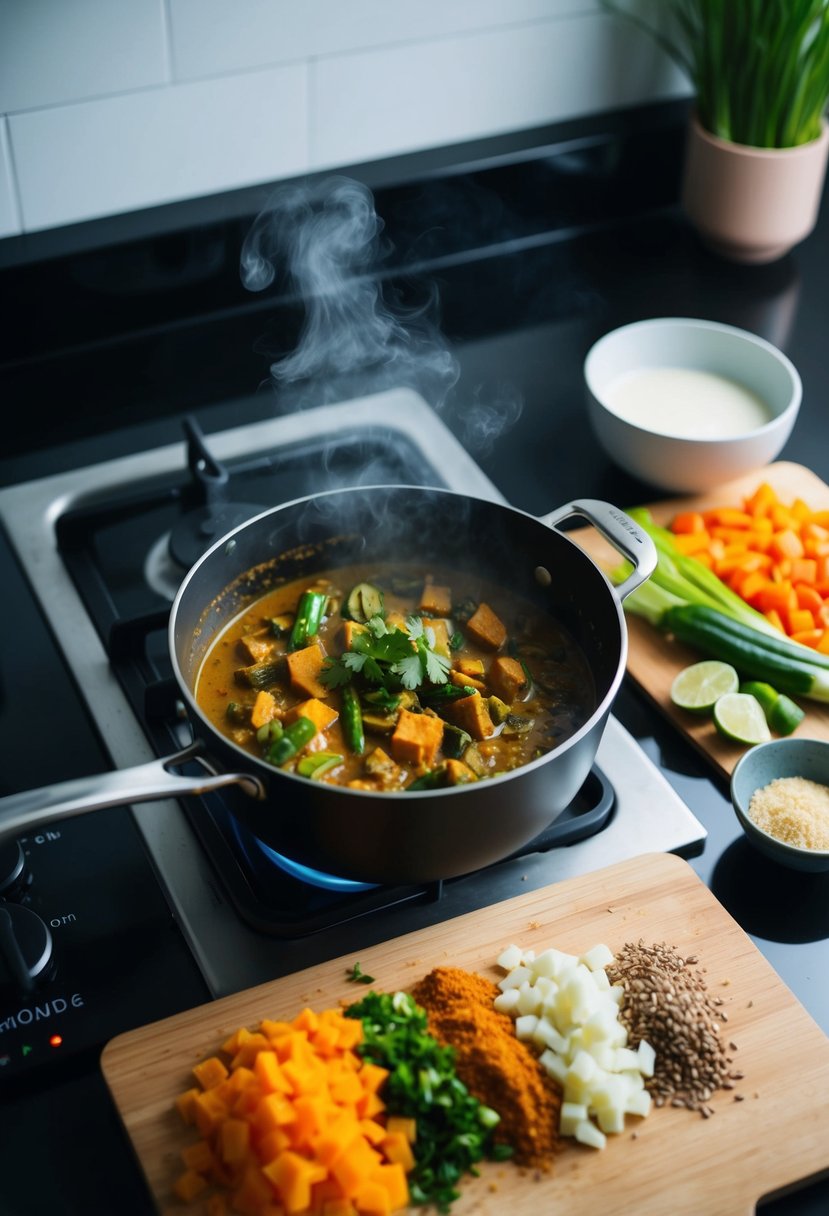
pixel 388 657
pixel 358 976
pixel 454 1129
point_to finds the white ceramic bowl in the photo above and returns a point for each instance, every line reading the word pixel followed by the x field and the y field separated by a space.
pixel 678 461
pixel 754 770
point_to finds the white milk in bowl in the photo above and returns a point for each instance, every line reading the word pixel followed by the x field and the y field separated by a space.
pixel 687 403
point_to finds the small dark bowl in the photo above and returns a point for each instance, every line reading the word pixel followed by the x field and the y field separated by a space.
pixel 807 758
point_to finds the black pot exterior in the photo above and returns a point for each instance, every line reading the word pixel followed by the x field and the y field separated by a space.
pixel 424 836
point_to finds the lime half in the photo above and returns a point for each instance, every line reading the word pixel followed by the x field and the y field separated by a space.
pixel 698 688
pixel 739 716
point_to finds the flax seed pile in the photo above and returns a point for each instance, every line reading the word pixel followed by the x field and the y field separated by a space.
pixel 667 1003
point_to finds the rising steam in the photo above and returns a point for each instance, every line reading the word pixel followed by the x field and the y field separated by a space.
pixel 326 238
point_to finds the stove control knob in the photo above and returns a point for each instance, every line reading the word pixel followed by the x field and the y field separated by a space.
pixel 15 875
pixel 25 951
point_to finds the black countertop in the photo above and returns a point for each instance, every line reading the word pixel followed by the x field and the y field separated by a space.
pixel 511 262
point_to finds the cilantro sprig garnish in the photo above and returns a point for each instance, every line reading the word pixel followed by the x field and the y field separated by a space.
pixel 389 657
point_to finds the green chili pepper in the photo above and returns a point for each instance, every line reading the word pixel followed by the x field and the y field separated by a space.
pixel 446 692
pixel 352 716
pixel 309 613
pixel 292 740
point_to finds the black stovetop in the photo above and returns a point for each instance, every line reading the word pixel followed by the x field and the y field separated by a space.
pixel 516 263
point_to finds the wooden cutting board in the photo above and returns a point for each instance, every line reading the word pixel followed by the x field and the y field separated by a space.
pixel 654 660
pixel 676 1162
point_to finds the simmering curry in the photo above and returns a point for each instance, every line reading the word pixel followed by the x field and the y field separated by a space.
pixel 395 679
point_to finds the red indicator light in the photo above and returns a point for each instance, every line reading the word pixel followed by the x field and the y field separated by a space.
pixel 55 1040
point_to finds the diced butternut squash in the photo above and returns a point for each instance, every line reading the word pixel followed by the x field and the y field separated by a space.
pixel 416 738
pixel 319 712
pixel 304 667
pixel 189 1185
pixel 264 709
pixel 436 600
pixel 472 715
pixel 210 1072
pixel 506 678
pixel 350 631
pixel 257 646
pixel 487 629
pixel 441 631
pixel 318 1150
pixel 458 677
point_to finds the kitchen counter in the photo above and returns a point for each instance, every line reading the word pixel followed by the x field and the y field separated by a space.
pixel 532 255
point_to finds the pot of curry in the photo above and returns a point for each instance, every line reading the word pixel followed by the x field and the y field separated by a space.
pixel 394 684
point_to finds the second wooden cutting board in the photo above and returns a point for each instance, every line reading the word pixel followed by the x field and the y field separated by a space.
pixel 654 660
pixel 673 1161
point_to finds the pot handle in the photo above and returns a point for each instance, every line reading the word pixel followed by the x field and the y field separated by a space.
pixel 143 783
pixel 620 531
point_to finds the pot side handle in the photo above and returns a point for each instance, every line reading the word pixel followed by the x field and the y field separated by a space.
pixel 620 531
pixel 143 783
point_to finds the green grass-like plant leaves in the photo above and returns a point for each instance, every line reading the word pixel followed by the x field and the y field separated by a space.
pixel 760 68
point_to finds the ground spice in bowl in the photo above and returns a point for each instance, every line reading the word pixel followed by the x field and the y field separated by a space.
pixel 794 810
pixel 497 1068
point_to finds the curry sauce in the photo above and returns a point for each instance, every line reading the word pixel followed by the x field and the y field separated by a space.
pixel 393 679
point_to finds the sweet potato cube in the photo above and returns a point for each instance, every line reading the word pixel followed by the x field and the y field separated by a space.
pixel 234 1140
pixel 256 647
pixel 210 1072
pixel 184 1104
pixel 304 667
pixel 436 600
pixel 293 1177
pixel 469 667
pixel 441 631
pixel 406 1126
pixel 372 1199
pixel 472 715
pixel 264 708
pixel 354 1165
pixel 506 678
pixel 350 631
pixel 416 738
pixel 320 714
pixel 393 1180
pixel 199 1157
pixel 465 681
pixel 486 628
pixel 189 1185
pixel 395 1147
pixel 458 773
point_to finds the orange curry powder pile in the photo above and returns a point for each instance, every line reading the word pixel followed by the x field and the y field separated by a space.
pixel 496 1067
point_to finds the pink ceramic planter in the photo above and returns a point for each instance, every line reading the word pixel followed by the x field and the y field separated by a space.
pixel 752 204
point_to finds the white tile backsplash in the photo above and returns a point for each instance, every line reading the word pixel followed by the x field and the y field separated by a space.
pixel 100 157
pixel 213 36
pixel 403 98
pixel 9 213
pixel 113 105
pixel 58 51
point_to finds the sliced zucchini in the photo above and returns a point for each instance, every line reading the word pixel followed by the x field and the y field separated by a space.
pixel 363 602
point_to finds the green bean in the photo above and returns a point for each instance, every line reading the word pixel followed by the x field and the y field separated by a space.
pixel 309 613
pixel 292 740
pixel 352 716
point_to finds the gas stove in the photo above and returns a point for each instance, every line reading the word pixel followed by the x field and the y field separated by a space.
pixel 104 548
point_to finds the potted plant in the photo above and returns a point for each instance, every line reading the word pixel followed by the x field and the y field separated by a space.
pixel 758 139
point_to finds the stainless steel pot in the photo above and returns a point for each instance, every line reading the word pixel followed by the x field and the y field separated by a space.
pixel 372 837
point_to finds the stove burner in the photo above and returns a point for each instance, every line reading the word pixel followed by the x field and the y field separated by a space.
pixel 314 878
